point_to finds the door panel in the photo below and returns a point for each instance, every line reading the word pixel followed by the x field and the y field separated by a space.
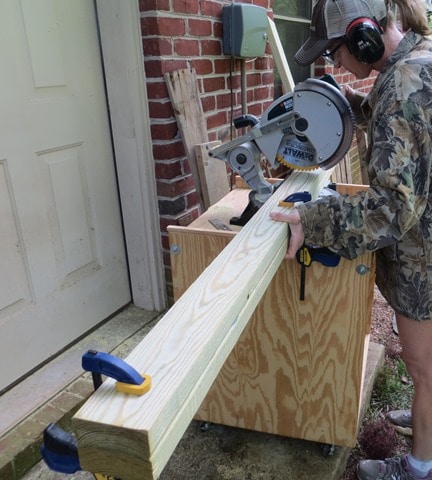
pixel 62 259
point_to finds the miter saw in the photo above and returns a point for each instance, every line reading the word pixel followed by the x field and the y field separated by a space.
pixel 305 129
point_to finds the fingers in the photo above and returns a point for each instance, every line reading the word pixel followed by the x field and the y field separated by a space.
pixel 292 217
pixel 296 237
pixel 295 241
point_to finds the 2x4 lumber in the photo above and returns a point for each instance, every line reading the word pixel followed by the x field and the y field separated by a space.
pixel 280 57
pixel 133 437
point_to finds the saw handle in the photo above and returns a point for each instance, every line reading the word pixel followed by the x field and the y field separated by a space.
pixel 245 121
pixel 330 79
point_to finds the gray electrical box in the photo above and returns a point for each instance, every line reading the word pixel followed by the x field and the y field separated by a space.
pixel 244 30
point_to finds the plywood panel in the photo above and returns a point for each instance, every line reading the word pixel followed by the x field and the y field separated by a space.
pixel 297 368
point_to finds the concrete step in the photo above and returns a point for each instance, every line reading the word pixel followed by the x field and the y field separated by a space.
pixel 54 393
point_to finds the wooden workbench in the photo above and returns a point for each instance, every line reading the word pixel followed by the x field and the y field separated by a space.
pixel 298 367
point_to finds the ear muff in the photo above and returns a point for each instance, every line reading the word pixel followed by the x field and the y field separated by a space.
pixel 364 40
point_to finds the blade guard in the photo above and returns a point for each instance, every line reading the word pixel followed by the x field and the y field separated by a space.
pixel 320 128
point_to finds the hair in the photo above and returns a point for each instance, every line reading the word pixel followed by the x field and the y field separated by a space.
pixel 411 14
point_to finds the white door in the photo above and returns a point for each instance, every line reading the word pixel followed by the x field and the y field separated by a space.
pixel 62 260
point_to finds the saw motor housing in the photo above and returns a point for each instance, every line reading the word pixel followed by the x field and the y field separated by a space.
pixel 311 127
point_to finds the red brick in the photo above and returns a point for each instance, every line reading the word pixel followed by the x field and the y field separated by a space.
pixel 149 5
pixel 234 82
pixel 172 206
pixel 213 84
pixel 267 79
pixel 168 151
pixel 211 47
pixel 186 48
pixel 261 93
pixel 164 131
pixel 202 67
pixel 157 68
pixel 218 29
pixel 168 170
pixel 175 187
pixel 255 108
pixel 164 222
pixel 224 100
pixel 163 26
pixel 253 79
pixel 208 103
pixel 264 63
pixel 153 68
pixel 186 6
pixel 199 27
pixel 217 119
pixel 221 65
pixel 173 65
pixel 192 198
pixel 211 8
pixel 157 90
pixel 157 46
pixel 159 110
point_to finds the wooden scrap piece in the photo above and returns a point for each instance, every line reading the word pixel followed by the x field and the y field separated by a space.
pixel 184 94
pixel 212 173
pixel 133 437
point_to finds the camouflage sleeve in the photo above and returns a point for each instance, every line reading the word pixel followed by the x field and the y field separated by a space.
pixel 399 169
pixel 360 109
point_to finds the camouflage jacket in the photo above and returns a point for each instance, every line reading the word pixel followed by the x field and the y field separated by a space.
pixel 394 215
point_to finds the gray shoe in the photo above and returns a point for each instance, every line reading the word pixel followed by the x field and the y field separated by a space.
pixel 401 418
pixel 389 469
pixel 402 421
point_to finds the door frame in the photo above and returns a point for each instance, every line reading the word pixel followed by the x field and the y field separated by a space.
pixel 123 59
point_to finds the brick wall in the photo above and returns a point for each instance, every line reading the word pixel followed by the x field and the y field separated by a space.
pixel 180 34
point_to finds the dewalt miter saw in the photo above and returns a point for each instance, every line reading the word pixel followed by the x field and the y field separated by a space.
pixel 305 129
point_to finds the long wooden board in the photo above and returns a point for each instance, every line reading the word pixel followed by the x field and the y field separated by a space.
pixel 133 437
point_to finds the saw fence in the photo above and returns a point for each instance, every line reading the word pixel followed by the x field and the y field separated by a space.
pixel 238 346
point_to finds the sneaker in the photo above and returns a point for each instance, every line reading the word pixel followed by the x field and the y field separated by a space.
pixel 388 469
pixel 402 421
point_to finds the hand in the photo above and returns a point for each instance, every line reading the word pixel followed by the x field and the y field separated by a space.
pixel 348 92
pixel 296 237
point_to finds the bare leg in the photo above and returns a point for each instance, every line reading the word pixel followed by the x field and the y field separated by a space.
pixel 416 341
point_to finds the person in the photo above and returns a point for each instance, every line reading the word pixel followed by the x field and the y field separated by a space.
pixel 393 216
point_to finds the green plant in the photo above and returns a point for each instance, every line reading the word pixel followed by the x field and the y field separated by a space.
pixel 393 389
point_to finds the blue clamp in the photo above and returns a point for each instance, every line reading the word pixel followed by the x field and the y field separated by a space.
pixel 128 379
pixel 59 450
pixel 294 198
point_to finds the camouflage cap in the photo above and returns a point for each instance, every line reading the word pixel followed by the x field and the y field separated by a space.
pixel 330 19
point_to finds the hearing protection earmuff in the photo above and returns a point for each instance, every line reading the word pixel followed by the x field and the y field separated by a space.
pixel 364 40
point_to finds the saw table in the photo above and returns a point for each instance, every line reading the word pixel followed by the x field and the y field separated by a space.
pixel 298 367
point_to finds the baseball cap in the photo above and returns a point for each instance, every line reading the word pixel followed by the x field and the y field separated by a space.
pixel 330 19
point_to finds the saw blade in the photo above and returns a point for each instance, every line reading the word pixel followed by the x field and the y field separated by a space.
pixel 296 153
